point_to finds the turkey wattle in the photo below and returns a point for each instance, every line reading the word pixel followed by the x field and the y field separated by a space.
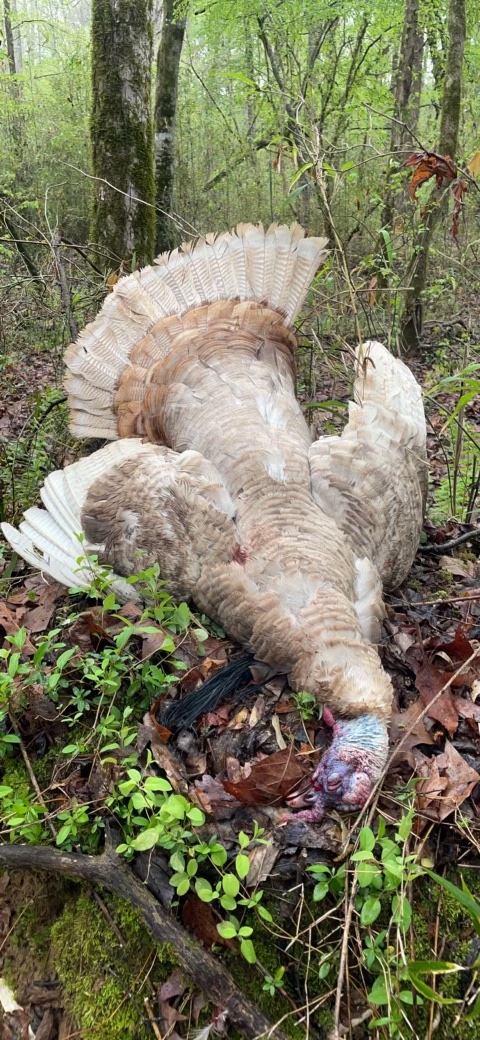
pixel 190 369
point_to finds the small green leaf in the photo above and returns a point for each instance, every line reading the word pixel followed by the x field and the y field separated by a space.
pixel 402 912
pixel 231 885
pixel 63 834
pixel 157 783
pixel 247 950
pixel 370 911
pixel 303 169
pixel 367 839
pixel 196 816
pixel 204 890
pixel 146 839
pixel 320 891
pixel 226 930
pixel 242 865
pixel 264 913
pixel 177 861
pixel 228 903
pixel 378 993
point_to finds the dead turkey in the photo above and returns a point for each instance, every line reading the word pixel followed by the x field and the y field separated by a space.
pixel 190 370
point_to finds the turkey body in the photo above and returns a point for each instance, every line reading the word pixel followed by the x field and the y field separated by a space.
pixel 190 369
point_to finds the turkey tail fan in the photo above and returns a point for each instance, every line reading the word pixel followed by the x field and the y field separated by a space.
pixel 52 539
pixel 147 310
pixel 231 680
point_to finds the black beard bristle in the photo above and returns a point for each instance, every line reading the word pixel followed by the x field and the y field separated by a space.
pixel 230 680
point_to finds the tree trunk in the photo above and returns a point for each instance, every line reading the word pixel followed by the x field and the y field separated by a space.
pixel 407 86
pixel 7 17
pixel 121 129
pixel 447 145
pixel 168 64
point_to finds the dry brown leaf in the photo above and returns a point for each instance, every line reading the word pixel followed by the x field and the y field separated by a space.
pixel 174 986
pixel 198 918
pixel 10 627
pixel 429 164
pixel 474 164
pixel 257 712
pixel 262 860
pixel 467 709
pixel 447 780
pixel 165 758
pixel 458 568
pixel 408 728
pixel 271 780
pixel 278 733
pixel 210 795
pixel 429 681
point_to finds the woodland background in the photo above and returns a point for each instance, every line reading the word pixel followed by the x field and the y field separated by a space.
pixel 127 126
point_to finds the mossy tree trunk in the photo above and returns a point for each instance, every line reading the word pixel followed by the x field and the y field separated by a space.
pixel 121 130
pixel 447 145
pixel 166 94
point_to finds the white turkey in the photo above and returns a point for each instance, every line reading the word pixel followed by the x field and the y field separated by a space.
pixel 190 369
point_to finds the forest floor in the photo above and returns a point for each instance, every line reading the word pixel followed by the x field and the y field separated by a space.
pixel 61 942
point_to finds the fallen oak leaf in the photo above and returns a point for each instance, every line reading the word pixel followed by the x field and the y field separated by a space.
pixel 163 756
pixel 445 782
pixel 271 780
pixel 198 917
pixel 174 986
pixel 407 728
pixel 10 626
pixel 430 683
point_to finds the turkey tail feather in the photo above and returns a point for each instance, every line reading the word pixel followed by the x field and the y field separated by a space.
pixel 144 312
pixel 51 539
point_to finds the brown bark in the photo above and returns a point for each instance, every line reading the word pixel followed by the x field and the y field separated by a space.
pixel 7 17
pixel 447 145
pixel 166 95
pixel 407 86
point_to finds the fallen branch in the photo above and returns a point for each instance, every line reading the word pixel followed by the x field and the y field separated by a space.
pixel 440 549
pixel 203 968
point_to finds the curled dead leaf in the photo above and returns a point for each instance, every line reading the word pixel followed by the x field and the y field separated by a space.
pixel 446 781
pixel 271 779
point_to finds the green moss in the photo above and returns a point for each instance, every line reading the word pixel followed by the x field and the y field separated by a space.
pixel 103 981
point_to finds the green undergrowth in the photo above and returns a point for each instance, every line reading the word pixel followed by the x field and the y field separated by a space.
pixel 26 459
pixel 105 981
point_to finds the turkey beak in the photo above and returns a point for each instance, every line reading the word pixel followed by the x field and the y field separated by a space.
pixel 298 798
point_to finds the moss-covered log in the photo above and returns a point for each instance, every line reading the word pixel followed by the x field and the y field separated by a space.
pixel 121 129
